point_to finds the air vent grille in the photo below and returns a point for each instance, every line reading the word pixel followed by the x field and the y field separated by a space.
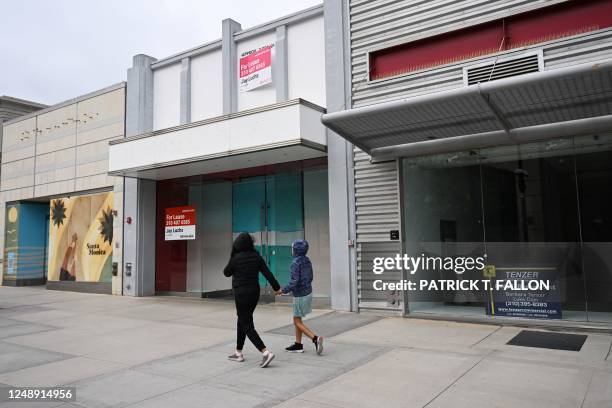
pixel 503 69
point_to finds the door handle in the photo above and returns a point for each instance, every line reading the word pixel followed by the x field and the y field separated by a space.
pixel 262 218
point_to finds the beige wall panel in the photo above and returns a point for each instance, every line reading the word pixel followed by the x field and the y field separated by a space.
pixel 18 140
pixel 111 129
pixel 93 182
pixel 17 174
pixel 18 194
pixel 59 187
pixel 55 166
pixel 92 152
pixel 58 129
pixel 101 117
pixel 55 175
pixel 71 147
pixel 57 144
pixel 92 168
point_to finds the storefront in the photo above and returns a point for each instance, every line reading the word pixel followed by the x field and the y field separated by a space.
pixel 538 209
pixel 480 139
pixel 59 204
pixel 222 139
pixel 276 204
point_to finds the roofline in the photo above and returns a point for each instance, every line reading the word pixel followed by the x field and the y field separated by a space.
pixel 67 102
pixel 242 35
pixel 221 118
pixel 20 101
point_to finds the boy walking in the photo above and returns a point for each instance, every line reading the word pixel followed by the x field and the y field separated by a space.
pixel 300 285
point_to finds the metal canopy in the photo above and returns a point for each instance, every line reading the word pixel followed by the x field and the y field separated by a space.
pixel 559 102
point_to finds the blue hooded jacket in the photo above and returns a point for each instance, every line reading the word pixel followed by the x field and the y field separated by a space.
pixel 300 283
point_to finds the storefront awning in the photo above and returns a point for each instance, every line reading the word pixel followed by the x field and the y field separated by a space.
pixel 278 133
pixel 559 102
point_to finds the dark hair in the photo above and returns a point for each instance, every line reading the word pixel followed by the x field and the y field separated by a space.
pixel 243 243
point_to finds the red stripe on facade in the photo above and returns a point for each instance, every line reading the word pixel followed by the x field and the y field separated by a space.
pixel 525 29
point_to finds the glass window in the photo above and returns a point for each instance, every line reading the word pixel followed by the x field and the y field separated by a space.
pixel 539 209
pixel 594 174
pixel 443 219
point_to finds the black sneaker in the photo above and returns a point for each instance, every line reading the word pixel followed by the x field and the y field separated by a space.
pixel 295 348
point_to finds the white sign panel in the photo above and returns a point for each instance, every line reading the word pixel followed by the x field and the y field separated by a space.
pixel 180 223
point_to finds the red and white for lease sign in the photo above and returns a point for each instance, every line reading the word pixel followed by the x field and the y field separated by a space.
pixel 180 223
pixel 256 68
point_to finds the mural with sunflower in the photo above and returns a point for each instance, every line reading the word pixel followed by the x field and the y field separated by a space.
pixel 81 238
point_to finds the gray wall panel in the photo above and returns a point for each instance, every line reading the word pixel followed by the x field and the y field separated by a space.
pixel 339 156
pixel 316 228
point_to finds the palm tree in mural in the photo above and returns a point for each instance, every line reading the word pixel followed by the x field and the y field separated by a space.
pixel 58 212
pixel 106 225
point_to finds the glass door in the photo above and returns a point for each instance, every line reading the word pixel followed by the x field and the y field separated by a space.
pixel 270 208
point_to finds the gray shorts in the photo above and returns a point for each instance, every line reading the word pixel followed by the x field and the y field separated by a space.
pixel 302 305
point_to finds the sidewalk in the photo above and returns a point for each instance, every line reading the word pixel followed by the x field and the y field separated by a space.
pixel 171 352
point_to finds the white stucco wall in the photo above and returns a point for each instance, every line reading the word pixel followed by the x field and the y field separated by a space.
pixel 305 77
pixel 306 60
pixel 206 86
pixel 167 96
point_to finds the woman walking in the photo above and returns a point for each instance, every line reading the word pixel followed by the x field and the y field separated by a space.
pixel 244 267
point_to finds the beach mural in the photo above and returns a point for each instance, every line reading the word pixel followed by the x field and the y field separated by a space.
pixel 81 238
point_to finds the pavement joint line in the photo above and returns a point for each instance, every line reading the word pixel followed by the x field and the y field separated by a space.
pixel 48 329
pixel 415 348
pixel 539 362
pixel 209 381
pixel 456 380
pixel 323 404
pixel 586 391
pixel 166 358
pixel 67 355
pixel 487 336
pixel 67 300
pixel 123 366
pixel 229 343
pixel 312 384
pixel 346 369
pixel 160 395
pixel 609 352
pixel 101 376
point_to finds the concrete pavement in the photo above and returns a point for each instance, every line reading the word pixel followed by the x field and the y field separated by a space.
pixel 167 351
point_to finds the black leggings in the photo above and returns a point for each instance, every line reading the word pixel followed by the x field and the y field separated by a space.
pixel 246 302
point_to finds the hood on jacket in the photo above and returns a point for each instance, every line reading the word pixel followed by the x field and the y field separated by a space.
pixel 243 243
pixel 299 247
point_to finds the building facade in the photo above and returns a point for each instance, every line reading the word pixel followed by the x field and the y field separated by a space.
pixel 11 108
pixel 441 130
pixel 226 138
pixel 480 129
pixel 59 203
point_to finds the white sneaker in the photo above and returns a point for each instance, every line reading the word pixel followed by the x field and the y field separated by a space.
pixel 267 359
pixel 238 357
pixel 319 345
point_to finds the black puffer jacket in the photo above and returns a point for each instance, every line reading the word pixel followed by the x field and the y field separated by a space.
pixel 245 264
